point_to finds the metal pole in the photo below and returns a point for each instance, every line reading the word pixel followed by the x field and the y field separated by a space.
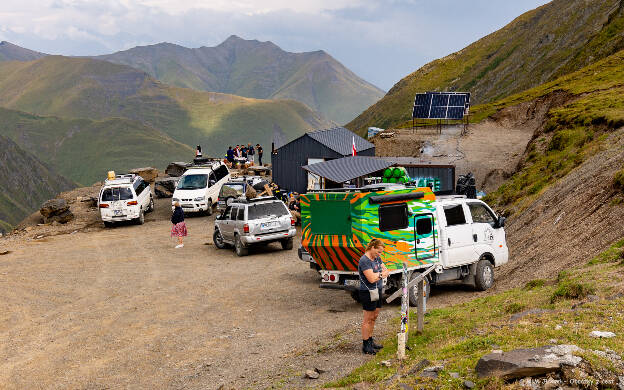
pixel 402 336
pixel 421 306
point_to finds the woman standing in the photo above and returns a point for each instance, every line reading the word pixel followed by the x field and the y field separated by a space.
pixel 179 227
pixel 372 272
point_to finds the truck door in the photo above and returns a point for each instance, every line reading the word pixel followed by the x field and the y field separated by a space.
pixel 484 234
pixel 227 225
pixel 457 238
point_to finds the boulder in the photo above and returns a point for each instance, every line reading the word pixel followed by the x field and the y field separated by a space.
pixel 165 186
pixel 176 169
pixel 148 174
pixel 521 363
pixel 63 217
pixel 53 207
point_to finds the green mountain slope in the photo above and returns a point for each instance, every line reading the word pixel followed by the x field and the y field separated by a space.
pixel 539 46
pixel 258 70
pixel 25 183
pixel 591 108
pixel 93 89
pixel 84 150
pixel 11 52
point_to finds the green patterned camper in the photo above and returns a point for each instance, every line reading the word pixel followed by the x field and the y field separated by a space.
pixel 336 227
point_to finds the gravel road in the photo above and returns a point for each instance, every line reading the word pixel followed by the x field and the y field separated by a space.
pixel 121 308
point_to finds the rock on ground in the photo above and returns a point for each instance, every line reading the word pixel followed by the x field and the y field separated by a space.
pixel 148 174
pixel 165 186
pixel 53 207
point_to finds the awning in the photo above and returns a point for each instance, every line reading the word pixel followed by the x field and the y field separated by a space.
pixel 347 168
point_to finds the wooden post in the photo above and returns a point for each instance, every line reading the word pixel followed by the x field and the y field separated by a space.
pixel 402 336
pixel 421 306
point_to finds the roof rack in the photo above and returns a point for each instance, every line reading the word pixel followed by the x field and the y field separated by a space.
pixel 127 178
pixel 254 200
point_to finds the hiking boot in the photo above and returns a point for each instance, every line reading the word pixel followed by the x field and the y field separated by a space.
pixel 373 344
pixel 367 348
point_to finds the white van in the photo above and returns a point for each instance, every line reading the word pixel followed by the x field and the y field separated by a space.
pixel 198 188
pixel 125 198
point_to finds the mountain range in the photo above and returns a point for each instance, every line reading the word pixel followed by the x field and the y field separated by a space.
pixel 538 46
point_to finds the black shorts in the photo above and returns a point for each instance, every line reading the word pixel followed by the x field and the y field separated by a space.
pixel 366 302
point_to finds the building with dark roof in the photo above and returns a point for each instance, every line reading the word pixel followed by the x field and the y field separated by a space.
pixel 313 147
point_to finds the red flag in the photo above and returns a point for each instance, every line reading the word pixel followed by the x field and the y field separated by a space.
pixel 353 151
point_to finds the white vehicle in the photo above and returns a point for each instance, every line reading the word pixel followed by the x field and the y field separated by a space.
pixel 198 188
pixel 463 239
pixel 125 198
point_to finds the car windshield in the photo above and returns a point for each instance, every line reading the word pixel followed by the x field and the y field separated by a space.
pixel 116 193
pixel 192 182
pixel 231 189
pixel 263 210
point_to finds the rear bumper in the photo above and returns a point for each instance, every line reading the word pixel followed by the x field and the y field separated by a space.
pixel 253 239
pixel 107 216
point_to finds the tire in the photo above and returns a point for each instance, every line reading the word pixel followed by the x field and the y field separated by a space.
pixel 229 201
pixel 287 244
pixel 150 207
pixel 109 225
pixel 484 276
pixel 209 209
pixel 413 291
pixel 218 240
pixel 141 219
pixel 241 250
pixel 355 295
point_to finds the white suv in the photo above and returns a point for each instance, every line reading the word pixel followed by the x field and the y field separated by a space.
pixel 198 188
pixel 125 198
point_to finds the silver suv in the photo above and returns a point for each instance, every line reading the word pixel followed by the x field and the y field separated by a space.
pixel 260 220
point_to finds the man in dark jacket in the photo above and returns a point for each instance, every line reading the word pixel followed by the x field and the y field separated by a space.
pixel 259 149
pixel 230 155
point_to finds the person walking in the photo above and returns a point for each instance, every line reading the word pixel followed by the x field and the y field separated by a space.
pixel 230 155
pixel 179 226
pixel 372 271
pixel 259 149
pixel 250 153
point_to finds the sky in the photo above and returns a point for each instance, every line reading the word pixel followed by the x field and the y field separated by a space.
pixel 382 41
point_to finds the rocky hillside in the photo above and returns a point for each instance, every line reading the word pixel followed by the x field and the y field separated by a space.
pixel 99 90
pixel 25 183
pixel 539 46
pixel 11 52
pixel 259 70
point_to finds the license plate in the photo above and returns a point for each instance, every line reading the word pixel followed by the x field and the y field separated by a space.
pixel 268 225
pixel 352 282
pixel 117 212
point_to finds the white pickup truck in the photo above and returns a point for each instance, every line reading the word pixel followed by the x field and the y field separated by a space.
pixel 462 238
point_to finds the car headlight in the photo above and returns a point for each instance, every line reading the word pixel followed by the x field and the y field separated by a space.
pixel 175 200
pixel 201 198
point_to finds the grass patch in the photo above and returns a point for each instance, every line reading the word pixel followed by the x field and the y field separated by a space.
pixel 457 336
pixel 536 283
pixel 618 180
pixel 612 255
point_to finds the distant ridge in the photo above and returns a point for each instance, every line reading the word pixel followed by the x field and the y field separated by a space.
pixel 11 52
pixel 255 69
pixel 538 46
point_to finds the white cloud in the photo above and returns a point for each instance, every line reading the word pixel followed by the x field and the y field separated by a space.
pixel 381 41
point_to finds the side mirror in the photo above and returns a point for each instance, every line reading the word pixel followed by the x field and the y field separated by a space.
pixel 211 183
pixel 423 226
pixel 500 222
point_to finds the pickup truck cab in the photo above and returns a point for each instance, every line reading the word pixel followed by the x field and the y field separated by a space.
pixel 198 188
pixel 462 238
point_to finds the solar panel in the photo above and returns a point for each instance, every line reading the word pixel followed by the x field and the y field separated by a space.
pixel 441 105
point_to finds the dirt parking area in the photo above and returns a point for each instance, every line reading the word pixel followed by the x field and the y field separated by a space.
pixel 121 308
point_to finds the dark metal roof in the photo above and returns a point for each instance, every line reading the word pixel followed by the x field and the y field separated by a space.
pixel 340 140
pixel 347 168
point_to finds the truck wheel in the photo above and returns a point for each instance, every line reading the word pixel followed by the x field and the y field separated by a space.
pixel 356 296
pixel 287 244
pixel 217 238
pixel 484 277
pixel 241 250
pixel 413 291
pixel 141 219
pixel 209 209
pixel 150 208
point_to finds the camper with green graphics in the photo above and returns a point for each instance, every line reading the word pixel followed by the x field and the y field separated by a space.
pixel 463 239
